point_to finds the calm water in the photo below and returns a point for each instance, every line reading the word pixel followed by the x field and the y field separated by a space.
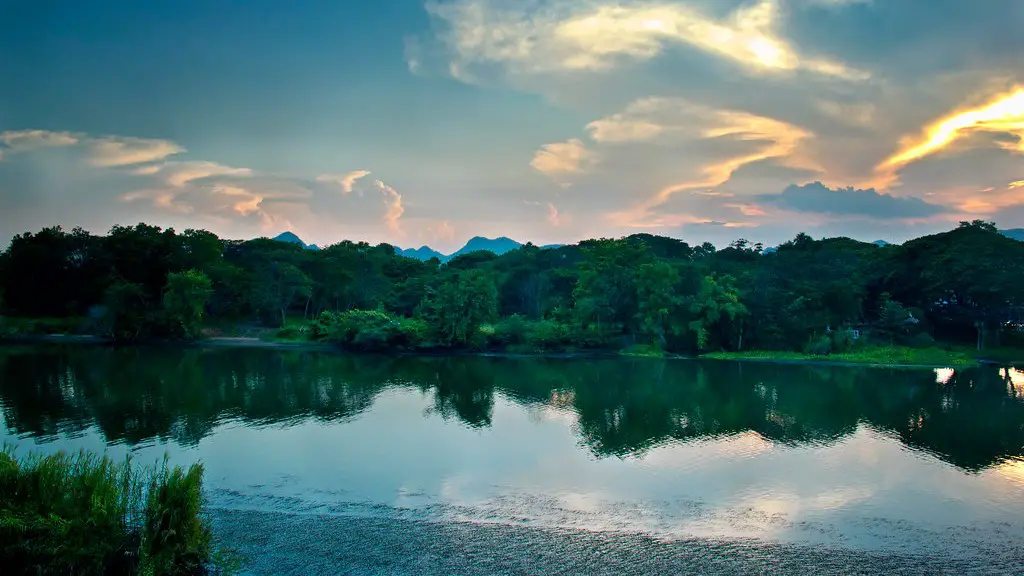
pixel 321 463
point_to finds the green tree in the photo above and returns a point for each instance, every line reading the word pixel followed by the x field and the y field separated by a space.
pixel 464 301
pixel 714 308
pixel 185 299
pixel 126 314
pixel 659 301
pixel 288 283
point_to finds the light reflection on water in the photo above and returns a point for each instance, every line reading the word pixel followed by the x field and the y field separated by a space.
pixel 915 461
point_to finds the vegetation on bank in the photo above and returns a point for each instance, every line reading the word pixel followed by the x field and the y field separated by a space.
pixel 641 295
pixel 885 355
pixel 84 514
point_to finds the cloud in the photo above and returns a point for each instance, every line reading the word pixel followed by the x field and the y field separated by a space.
pixel 114 151
pixel 562 158
pixel 1002 114
pixel 554 218
pixel 25 140
pixel 530 37
pixel 345 181
pixel 104 151
pixel 393 202
pixel 818 198
pixel 731 139
pixel 178 174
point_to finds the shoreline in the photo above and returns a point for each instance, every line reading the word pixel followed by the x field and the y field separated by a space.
pixel 253 342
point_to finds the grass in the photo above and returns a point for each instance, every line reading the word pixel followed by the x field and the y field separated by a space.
pixel 885 355
pixel 86 514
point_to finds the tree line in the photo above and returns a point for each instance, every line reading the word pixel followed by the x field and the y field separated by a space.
pixel 138 282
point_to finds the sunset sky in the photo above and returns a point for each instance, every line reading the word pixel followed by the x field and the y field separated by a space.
pixel 542 120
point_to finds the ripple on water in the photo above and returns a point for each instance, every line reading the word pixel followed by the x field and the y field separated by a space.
pixel 283 543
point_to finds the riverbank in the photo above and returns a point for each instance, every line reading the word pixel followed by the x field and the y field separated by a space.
pixel 884 356
pixel 85 513
pixel 888 356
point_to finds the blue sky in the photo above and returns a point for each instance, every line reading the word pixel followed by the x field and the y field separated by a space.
pixel 544 120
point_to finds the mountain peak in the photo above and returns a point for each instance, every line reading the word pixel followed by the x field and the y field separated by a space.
pixel 291 238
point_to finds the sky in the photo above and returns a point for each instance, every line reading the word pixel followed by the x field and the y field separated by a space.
pixel 549 121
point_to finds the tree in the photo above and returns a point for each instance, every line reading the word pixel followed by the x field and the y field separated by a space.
pixel 463 302
pixel 185 299
pixel 714 307
pixel 288 283
pixel 126 313
pixel 659 300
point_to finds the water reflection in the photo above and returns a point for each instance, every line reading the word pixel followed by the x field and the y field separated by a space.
pixel 973 418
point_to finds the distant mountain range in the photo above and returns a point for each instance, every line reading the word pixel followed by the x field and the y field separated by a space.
pixel 497 246
pixel 1015 233
pixel 477 244
pixel 502 245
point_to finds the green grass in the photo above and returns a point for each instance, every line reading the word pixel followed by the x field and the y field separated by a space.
pixel 885 355
pixel 86 514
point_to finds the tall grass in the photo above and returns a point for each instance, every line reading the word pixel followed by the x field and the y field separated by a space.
pixel 84 514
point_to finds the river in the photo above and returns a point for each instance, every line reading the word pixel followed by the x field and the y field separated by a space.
pixel 321 463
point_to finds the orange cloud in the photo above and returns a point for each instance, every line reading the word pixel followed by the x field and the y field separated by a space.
pixel 1003 113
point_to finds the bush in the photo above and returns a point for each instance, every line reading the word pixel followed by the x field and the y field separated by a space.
pixel 819 346
pixel 370 330
pixel 84 514
pixel 519 334
pixel 841 341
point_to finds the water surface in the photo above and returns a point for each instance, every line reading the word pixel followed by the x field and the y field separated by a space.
pixel 491 465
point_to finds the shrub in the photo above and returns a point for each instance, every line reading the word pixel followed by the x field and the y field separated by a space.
pixel 517 333
pixel 511 331
pixel 548 335
pixel 819 346
pixel 83 514
pixel 370 330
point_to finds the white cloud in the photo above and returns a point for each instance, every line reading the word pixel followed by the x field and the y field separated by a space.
pixel 532 37
pixel 345 181
pixel 393 202
pixel 25 140
pixel 178 174
pixel 561 158
pixel 115 151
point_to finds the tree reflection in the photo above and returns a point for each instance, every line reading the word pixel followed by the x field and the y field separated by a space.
pixel 624 407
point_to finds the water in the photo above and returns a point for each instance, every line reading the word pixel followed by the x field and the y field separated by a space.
pixel 319 463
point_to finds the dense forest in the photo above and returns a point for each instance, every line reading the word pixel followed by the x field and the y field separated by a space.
pixel 143 282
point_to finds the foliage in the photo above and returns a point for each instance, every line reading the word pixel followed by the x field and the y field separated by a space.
pixel 456 309
pixel 519 334
pixel 84 514
pixel 960 286
pixel 185 298
pixel 370 330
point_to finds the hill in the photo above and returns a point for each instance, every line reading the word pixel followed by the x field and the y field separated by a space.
pixel 291 238
pixel 1015 233
pixel 498 246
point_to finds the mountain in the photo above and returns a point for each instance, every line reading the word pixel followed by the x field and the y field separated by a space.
pixel 1015 233
pixel 423 253
pixel 291 238
pixel 882 243
pixel 498 246
pixel 476 244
